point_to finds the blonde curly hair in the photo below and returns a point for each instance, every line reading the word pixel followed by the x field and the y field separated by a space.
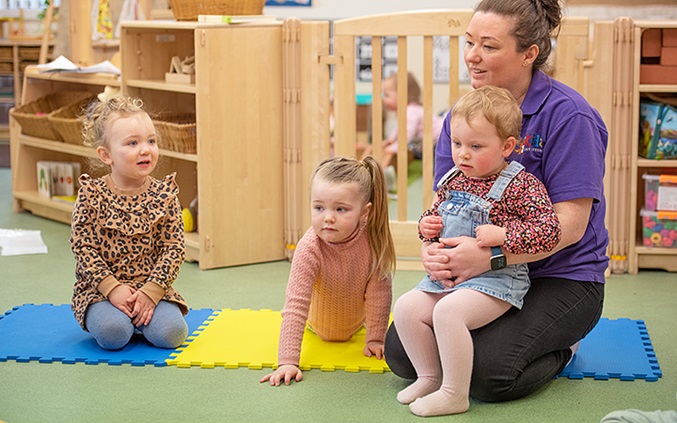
pixel 100 116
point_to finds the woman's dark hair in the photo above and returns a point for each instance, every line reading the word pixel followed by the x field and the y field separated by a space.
pixel 534 22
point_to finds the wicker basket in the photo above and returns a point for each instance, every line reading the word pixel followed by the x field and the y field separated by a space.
pixel 29 53
pixel 178 132
pixel 33 116
pixel 188 10
pixel 67 121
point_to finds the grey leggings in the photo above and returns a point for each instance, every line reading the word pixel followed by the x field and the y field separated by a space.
pixel 113 329
pixel 522 350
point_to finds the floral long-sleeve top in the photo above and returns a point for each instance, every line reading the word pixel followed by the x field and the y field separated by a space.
pixel 524 210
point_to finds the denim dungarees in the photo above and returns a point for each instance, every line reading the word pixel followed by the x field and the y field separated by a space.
pixel 461 214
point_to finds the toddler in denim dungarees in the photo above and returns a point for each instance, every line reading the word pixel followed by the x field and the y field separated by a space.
pixel 501 205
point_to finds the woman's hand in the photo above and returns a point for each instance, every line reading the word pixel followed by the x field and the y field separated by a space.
pixel 455 260
pixel 466 258
pixel 286 373
pixel 435 260
pixel 374 349
pixel 143 308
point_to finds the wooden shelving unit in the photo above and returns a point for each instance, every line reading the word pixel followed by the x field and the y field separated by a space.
pixel 237 172
pixel 26 151
pixel 641 256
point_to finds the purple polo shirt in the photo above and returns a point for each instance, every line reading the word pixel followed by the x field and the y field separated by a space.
pixel 565 142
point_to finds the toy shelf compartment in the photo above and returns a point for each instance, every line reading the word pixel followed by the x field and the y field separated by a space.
pixel 148 49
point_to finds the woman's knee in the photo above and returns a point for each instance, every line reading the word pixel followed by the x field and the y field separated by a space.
pixel 487 385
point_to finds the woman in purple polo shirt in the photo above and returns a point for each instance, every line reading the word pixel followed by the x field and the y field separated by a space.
pixel 565 140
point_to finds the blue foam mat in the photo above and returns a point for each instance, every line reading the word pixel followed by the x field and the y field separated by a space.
pixel 49 333
pixel 618 349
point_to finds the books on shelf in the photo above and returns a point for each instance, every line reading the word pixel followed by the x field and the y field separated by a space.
pixel 62 64
pixel 58 180
pixel 236 19
pixel 67 199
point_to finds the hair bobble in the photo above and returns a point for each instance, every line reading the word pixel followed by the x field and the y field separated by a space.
pixel 108 94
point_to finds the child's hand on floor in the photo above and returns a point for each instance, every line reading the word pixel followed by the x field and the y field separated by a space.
pixel 286 373
pixel 374 349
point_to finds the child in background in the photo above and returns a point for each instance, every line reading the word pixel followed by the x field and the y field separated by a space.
pixel 341 274
pixel 127 234
pixel 414 120
pixel 502 206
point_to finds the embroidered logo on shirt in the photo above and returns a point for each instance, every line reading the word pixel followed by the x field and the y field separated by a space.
pixel 530 143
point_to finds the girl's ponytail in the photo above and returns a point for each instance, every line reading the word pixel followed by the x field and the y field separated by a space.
pixel 378 223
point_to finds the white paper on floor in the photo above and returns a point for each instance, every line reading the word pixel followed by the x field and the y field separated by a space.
pixel 14 242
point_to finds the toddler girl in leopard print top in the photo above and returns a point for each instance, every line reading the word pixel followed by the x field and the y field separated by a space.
pixel 127 234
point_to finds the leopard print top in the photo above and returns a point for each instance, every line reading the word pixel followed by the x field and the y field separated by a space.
pixel 130 238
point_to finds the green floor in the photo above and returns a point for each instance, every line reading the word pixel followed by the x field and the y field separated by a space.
pixel 33 392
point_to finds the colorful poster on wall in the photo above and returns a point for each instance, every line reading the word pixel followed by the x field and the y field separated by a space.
pixel 306 3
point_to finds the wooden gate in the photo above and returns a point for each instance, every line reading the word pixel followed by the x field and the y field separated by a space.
pixel 308 89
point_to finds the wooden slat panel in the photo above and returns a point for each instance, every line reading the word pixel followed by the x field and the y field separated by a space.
pixel 424 22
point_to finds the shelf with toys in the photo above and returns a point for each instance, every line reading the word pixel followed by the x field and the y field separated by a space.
pixel 653 234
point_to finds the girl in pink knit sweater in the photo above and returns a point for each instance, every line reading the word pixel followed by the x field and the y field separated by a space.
pixel 341 275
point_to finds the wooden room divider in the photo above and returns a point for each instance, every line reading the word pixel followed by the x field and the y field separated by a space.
pixel 307 59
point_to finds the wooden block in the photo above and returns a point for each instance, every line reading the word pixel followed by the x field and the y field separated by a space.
pixel 670 37
pixel 657 74
pixel 669 56
pixel 179 78
pixel 651 43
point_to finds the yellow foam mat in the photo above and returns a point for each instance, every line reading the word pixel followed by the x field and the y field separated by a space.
pixel 249 338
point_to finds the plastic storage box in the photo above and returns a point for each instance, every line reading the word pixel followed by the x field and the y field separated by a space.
pixel 659 229
pixel 660 192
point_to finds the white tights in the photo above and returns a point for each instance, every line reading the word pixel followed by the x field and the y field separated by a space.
pixel 435 332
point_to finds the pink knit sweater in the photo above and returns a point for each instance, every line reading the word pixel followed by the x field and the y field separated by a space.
pixel 328 288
